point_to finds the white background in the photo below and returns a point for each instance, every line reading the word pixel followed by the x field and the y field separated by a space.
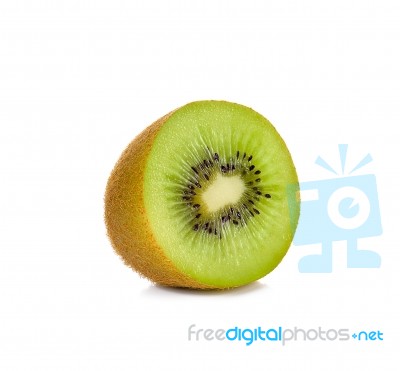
pixel 79 79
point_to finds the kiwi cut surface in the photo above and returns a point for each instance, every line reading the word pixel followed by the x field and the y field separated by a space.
pixel 200 198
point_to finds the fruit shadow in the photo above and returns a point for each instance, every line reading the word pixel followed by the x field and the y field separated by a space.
pixel 158 290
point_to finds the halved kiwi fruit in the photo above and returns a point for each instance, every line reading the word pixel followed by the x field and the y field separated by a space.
pixel 200 198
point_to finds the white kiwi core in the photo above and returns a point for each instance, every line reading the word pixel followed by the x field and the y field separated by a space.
pixel 222 192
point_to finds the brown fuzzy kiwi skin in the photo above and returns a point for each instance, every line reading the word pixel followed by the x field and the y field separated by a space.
pixel 125 216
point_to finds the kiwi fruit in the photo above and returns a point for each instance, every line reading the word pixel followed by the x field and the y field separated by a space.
pixel 200 199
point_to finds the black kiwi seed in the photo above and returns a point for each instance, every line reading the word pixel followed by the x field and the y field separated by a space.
pixel 196 206
pixel 223 169
pixel 257 172
pixel 251 201
pixel 198 216
pixel 251 167
pixel 194 169
pixel 258 192
pixel 237 154
pixel 198 185
pixel 206 176
pixel 258 180
pixel 210 230
pixel 255 188
pixel 249 159
pixel 250 183
pixel 196 227
pixel 186 198
pixel 244 156
pixel 256 211
pixel 235 222
pixel 190 186
pixel 216 157
pixel 238 215
pixel 267 195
